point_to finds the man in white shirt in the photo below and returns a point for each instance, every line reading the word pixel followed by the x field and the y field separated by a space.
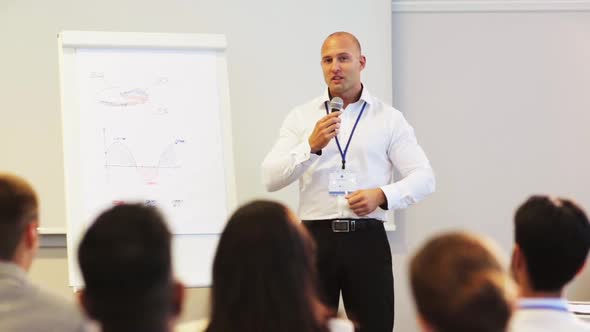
pixel 552 238
pixel 343 153
pixel 24 307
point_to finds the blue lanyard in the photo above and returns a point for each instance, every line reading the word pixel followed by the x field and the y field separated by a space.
pixel 543 307
pixel 343 154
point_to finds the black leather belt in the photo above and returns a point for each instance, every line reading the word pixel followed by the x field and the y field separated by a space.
pixel 344 225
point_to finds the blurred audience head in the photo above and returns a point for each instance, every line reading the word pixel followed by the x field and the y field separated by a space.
pixel 18 221
pixel 264 275
pixel 552 238
pixel 125 260
pixel 459 285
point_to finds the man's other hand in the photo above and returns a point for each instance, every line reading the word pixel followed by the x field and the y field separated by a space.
pixel 363 202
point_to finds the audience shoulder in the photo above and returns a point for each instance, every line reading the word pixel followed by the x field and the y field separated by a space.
pixel 55 312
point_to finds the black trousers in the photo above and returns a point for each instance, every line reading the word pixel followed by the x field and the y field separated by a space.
pixel 358 264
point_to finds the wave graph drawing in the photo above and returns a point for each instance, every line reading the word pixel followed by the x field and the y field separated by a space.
pixel 119 155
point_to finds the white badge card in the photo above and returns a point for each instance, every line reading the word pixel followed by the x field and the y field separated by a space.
pixel 342 182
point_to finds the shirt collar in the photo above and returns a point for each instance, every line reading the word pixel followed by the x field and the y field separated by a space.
pixel 365 97
pixel 540 303
pixel 11 270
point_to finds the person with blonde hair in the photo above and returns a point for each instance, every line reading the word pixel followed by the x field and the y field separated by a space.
pixel 459 285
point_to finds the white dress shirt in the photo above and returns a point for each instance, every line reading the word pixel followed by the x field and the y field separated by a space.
pixel 545 315
pixel 382 140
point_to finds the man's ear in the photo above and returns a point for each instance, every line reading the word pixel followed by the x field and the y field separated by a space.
pixel 519 267
pixel 424 325
pixel 83 301
pixel 517 260
pixel 178 295
pixel 363 61
pixel 581 268
pixel 31 235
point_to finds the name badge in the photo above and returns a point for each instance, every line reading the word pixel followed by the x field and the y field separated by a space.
pixel 342 182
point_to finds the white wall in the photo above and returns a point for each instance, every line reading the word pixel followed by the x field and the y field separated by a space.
pixel 274 64
pixel 499 100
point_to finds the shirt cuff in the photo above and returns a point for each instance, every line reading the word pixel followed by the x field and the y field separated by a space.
pixel 396 197
pixel 302 153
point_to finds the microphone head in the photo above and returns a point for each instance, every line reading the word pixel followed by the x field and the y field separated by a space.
pixel 336 104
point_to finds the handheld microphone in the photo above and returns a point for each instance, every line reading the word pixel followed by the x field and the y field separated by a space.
pixel 336 104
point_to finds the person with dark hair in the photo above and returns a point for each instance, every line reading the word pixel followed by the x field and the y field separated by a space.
pixel 343 148
pixel 23 306
pixel 459 285
pixel 552 239
pixel 125 260
pixel 264 275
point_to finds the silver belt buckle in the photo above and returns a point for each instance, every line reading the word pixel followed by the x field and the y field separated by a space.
pixel 340 226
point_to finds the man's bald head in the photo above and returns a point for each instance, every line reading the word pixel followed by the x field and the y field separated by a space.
pixel 340 34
